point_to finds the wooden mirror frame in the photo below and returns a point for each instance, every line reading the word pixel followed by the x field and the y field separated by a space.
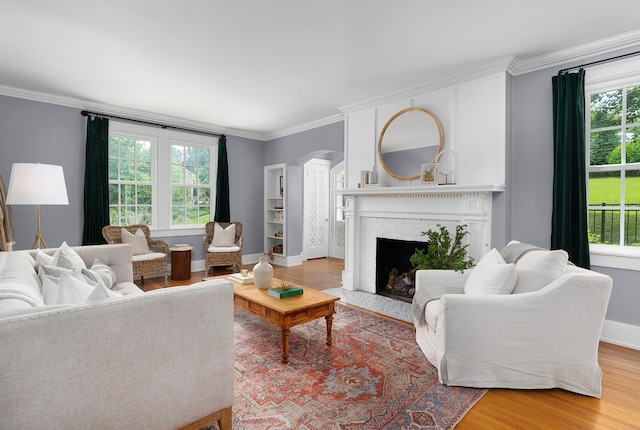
pixel 384 129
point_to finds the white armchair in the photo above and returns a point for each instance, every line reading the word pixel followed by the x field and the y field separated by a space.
pixel 531 338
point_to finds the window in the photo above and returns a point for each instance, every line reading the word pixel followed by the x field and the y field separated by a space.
pixel 162 178
pixel 614 166
pixel 130 187
pixel 190 184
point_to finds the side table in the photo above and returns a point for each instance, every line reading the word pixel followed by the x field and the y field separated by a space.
pixel 180 263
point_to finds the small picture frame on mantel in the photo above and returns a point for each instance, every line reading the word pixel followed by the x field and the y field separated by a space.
pixel 429 174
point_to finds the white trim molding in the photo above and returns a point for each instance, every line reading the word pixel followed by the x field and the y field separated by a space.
pixel 626 335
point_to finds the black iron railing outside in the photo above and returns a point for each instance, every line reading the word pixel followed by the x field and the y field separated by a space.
pixel 604 224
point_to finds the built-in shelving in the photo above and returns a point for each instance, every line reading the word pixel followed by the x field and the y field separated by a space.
pixel 274 212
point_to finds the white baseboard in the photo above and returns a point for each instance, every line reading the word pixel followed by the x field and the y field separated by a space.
pixel 622 334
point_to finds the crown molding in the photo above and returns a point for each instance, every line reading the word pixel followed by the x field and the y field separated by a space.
pixel 306 126
pixel 576 53
pixel 499 66
pixel 126 112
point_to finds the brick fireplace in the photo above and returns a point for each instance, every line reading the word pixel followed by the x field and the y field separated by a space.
pixel 403 213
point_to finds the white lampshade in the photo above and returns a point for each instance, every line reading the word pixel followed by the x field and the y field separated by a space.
pixel 37 184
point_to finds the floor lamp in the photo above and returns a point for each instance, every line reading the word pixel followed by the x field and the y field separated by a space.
pixel 37 184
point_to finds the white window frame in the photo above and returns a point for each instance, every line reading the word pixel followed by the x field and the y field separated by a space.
pixel 161 173
pixel 598 79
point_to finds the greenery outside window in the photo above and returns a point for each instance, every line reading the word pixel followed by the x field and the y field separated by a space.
pixel 614 166
pixel 161 177
pixel 130 184
pixel 190 184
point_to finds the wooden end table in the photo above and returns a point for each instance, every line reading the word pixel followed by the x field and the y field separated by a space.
pixel 288 312
pixel 180 263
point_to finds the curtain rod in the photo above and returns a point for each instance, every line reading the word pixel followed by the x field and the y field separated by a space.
pixel 606 60
pixel 153 124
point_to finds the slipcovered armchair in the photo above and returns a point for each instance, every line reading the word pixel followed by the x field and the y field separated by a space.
pixel 149 255
pixel 528 322
pixel 223 245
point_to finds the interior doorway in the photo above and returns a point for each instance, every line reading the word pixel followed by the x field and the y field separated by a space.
pixel 316 209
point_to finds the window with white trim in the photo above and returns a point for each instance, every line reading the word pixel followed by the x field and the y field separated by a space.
pixel 161 177
pixel 614 166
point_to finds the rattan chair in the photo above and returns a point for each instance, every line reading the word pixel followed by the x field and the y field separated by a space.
pixel 221 257
pixel 142 264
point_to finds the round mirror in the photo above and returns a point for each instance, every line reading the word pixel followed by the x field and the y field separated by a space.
pixel 411 138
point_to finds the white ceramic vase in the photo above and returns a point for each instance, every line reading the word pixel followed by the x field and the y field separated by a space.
pixel 263 274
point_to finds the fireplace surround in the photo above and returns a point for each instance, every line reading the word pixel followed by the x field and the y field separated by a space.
pixel 404 213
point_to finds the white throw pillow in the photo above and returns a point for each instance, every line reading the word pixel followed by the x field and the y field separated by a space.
pixel 69 259
pixel 491 278
pixel 137 241
pixel 101 292
pixel 100 273
pixel 65 291
pixel 492 257
pixel 46 259
pixel 224 236
pixel 538 268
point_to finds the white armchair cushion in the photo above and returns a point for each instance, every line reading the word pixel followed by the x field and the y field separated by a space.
pixel 223 236
pixel 536 269
pixel 137 241
pixel 233 248
pixel 492 278
pixel 148 256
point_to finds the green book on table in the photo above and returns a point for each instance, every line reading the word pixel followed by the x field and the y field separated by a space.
pixel 279 293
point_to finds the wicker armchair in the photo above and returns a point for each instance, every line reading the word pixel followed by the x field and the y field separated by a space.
pixel 218 256
pixel 143 264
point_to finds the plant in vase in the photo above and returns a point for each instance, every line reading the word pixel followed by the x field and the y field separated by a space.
pixel 443 251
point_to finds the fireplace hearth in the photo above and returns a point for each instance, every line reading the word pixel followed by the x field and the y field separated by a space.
pixel 394 273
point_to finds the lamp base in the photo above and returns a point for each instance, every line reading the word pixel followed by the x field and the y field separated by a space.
pixel 38 241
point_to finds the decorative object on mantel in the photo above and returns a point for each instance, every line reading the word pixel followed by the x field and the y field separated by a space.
pixel 447 164
pixel 443 251
pixel 430 174
pixel 364 178
pixel 373 176
pixel 263 274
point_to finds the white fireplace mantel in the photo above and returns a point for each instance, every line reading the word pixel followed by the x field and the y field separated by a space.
pixel 404 213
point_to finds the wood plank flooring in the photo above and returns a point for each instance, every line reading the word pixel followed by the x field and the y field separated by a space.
pixel 619 408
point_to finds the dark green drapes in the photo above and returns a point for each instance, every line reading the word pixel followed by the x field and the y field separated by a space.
pixel 569 219
pixel 222 183
pixel 96 181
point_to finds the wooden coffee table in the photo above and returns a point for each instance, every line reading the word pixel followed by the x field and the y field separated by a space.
pixel 288 312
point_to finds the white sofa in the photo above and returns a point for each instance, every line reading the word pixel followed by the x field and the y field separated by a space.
pixel 536 325
pixel 156 360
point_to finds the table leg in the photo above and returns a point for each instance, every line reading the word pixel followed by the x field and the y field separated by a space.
pixel 329 319
pixel 285 345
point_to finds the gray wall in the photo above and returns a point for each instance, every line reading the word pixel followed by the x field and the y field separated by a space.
pixel 32 131
pixel 530 179
pixel 326 142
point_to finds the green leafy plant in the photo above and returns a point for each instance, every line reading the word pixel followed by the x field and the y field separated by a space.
pixel 443 251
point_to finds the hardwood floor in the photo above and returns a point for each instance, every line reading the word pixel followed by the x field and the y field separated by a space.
pixel 619 407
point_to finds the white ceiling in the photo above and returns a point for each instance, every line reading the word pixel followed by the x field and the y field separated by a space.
pixel 264 66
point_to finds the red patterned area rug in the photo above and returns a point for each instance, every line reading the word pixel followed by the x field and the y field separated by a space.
pixel 374 376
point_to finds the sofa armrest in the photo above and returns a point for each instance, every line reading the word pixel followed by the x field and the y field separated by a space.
pixel 430 285
pixel 161 360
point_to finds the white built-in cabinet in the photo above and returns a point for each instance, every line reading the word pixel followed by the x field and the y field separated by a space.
pixel 275 219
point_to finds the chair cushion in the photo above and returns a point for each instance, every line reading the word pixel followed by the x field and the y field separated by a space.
pixel 234 248
pixel 138 241
pixel 536 269
pixel 223 236
pixel 148 256
pixel 431 312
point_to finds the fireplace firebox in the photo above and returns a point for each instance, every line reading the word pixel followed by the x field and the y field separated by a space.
pixel 394 273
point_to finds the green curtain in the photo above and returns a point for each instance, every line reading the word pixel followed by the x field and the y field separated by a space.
pixel 96 181
pixel 569 219
pixel 222 183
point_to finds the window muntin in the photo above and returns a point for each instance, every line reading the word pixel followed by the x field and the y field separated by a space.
pixel 130 184
pixel 614 166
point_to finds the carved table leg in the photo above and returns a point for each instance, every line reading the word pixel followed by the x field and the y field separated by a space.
pixel 329 319
pixel 285 345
